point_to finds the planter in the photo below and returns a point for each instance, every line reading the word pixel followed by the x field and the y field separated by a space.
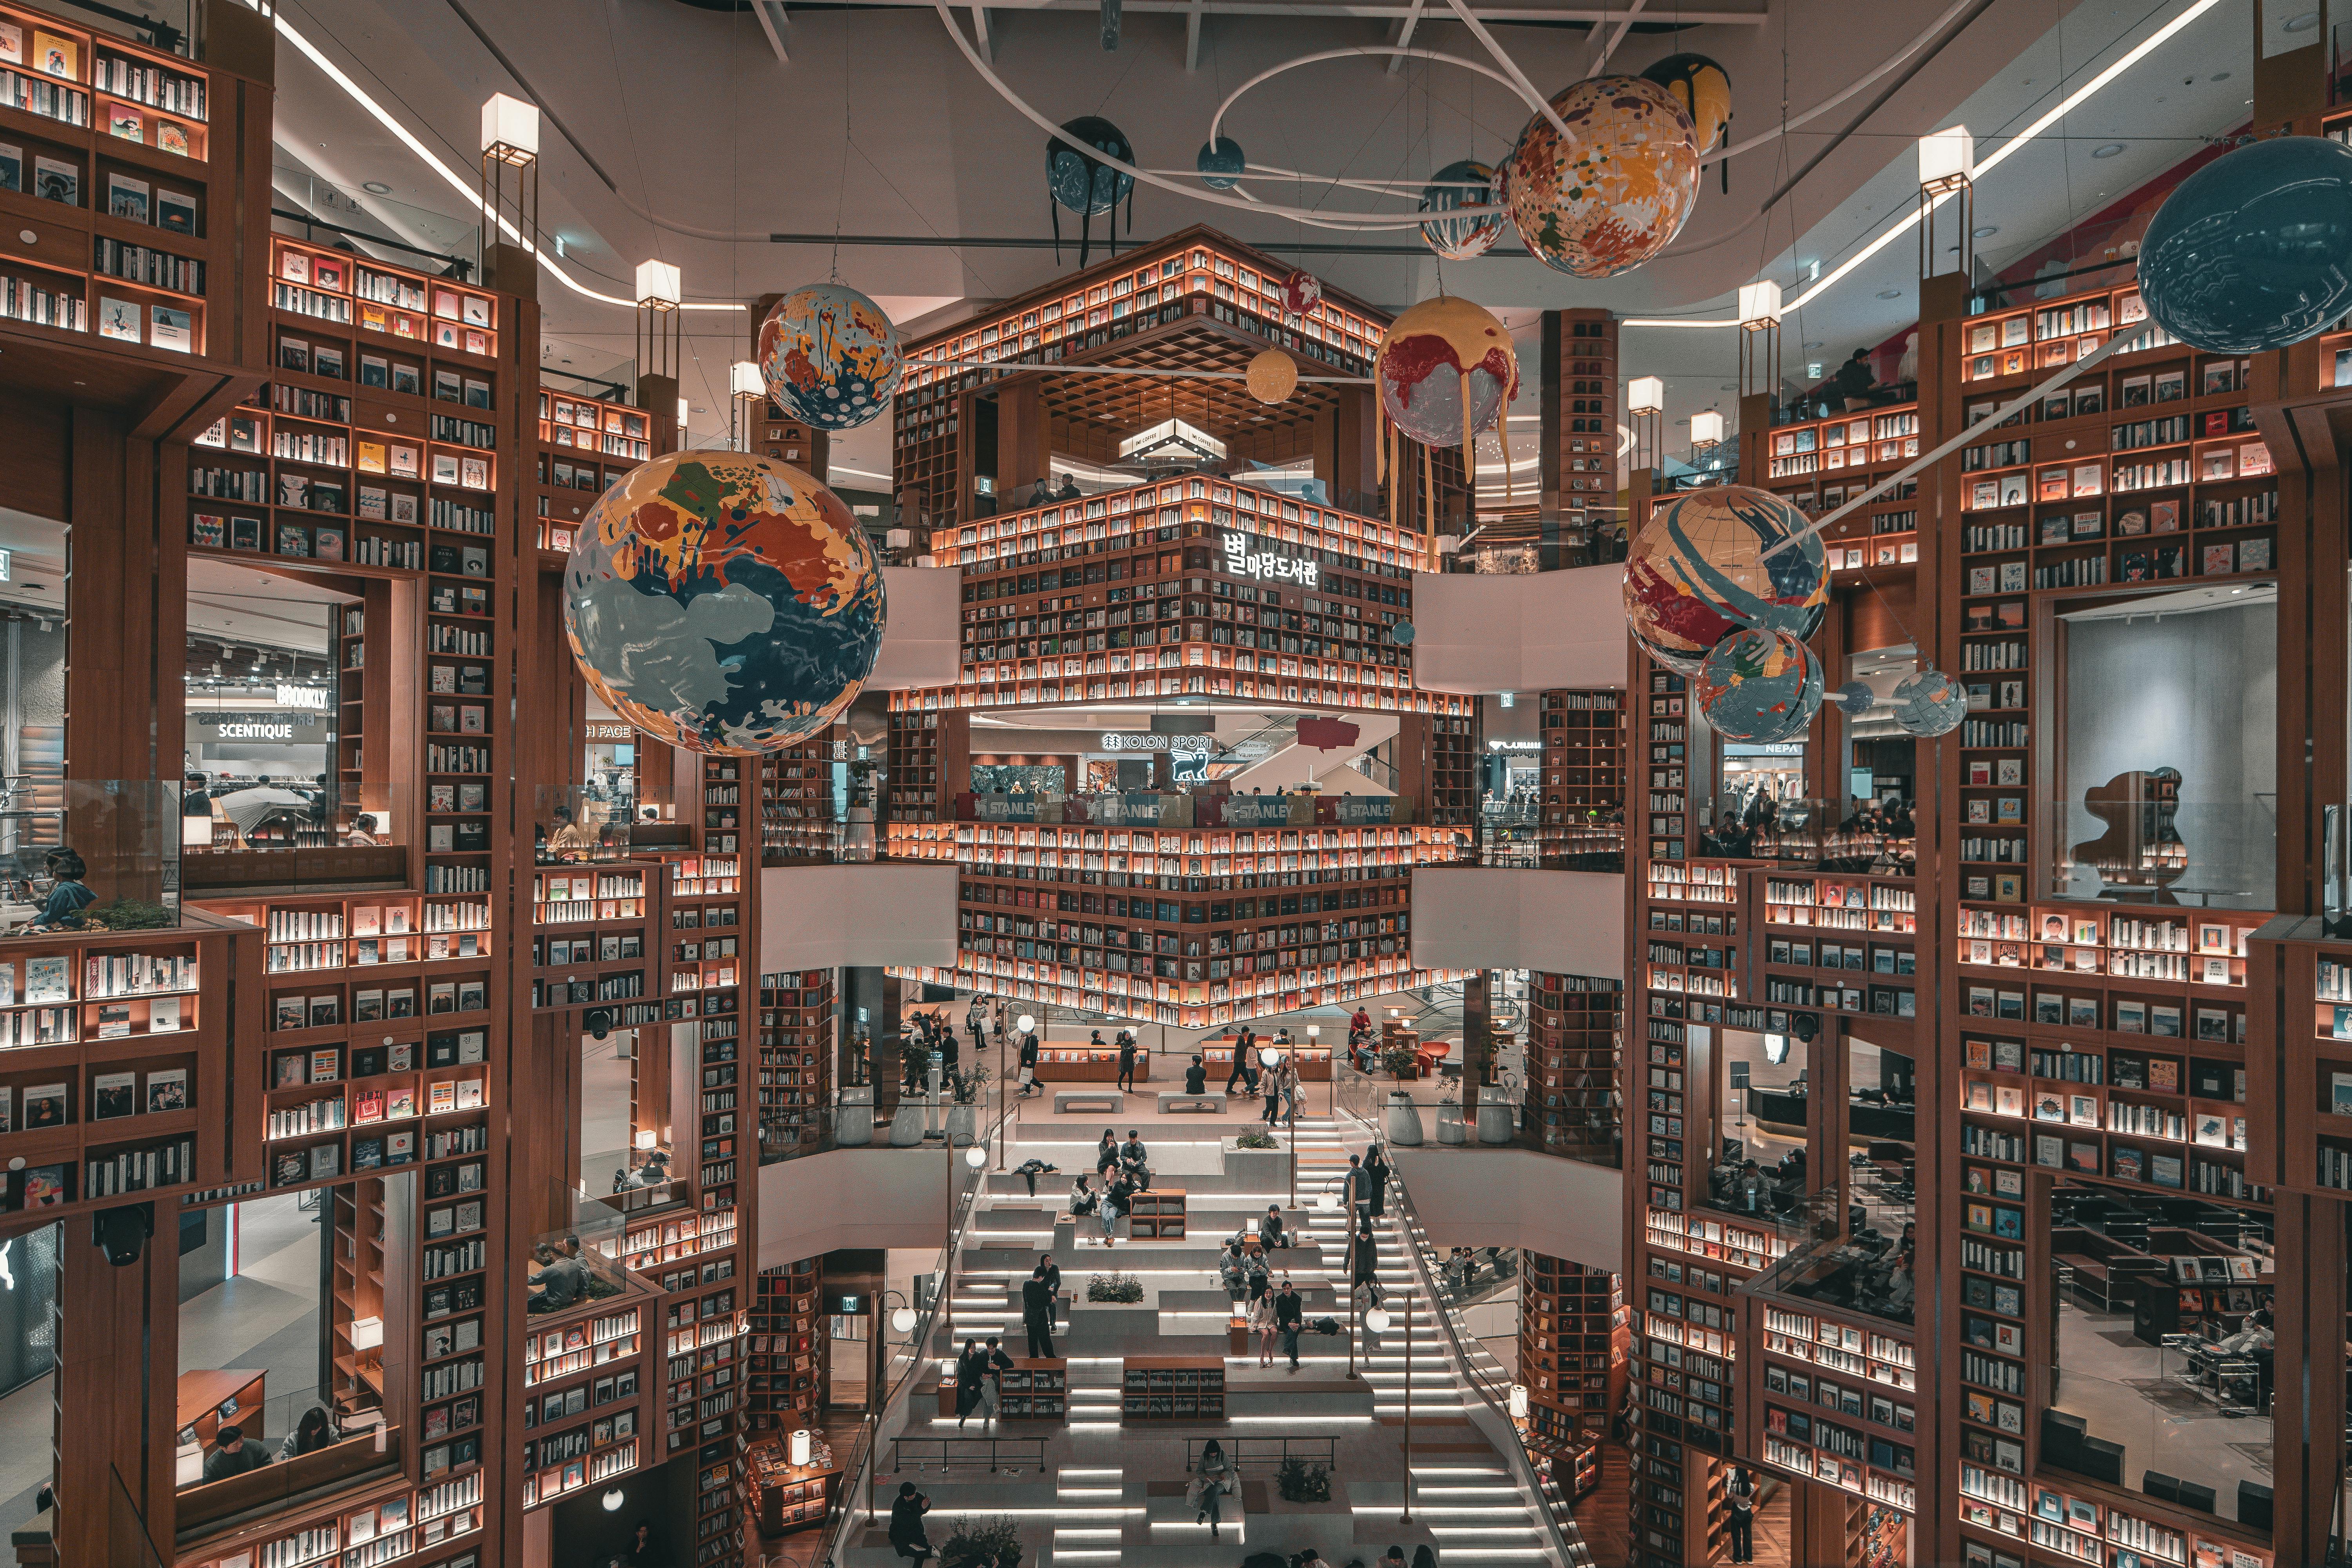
pixel 858 844
pixel 1494 1116
pixel 1257 1170
pixel 963 1124
pixel 1449 1129
pixel 853 1120
pixel 906 1124
pixel 1402 1122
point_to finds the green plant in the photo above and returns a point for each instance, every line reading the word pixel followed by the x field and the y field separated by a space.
pixel 966 1085
pixel 1400 1060
pixel 1257 1137
pixel 979 1541
pixel 1114 1286
pixel 128 914
pixel 1299 1481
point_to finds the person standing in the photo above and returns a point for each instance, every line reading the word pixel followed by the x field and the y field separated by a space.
pixel 906 1536
pixel 1245 1043
pixel 1290 1313
pixel 969 1366
pixel 1376 1168
pixel 1277 1084
pixel 1037 1313
pixel 1127 1054
pixel 1356 1189
pixel 975 1023
pixel 1029 1084
pixel 1742 1492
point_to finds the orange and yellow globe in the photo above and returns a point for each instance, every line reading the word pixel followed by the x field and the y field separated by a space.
pixel 723 602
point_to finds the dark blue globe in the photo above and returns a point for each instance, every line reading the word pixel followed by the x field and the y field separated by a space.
pixel 1077 178
pixel 1221 164
pixel 2254 251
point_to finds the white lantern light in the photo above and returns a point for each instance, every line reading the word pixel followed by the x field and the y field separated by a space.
pixel 1313 1031
pixel 646 1138
pixel 903 1320
pixel 1326 1201
pixel 975 1156
pixel 682 412
pixel 613 1499
pixel 1026 1022
pixel 1377 1320
pixel 1645 394
pixel 1518 1402
pixel 658 283
pixel 1267 1057
pixel 367 1333
pixel 1947 156
pixel 744 380
pixel 1706 428
pixel 801 1440
pixel 509 123
pixel 1759 303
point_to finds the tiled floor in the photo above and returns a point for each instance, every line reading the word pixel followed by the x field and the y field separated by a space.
pixel 2116 1384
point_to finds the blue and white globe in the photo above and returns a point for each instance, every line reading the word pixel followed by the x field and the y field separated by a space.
pixel 1855 697
pixel 1930 703
pixel 1759 685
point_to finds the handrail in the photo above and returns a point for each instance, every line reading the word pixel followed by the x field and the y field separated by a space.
pixel 918 1449
pixel 1238 1449
pixel 1551 1505
pixel 857 1476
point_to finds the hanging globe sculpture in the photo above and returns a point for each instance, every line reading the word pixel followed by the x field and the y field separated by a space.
pixel 1757 685
pixel 1078 179
pixel 1697 572
pixel 1929 703
pixel 723 602
pixel 1855 697
pixel 1445 370
pixel 1614 191
pixel 1451 189
pixel 1221 164
pixel 1272 375
pixel 830 356
pixel 1301 293
pixel 2248 253
pixel 1703 89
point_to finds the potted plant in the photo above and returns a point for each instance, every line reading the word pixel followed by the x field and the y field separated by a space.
pixel 1114 1286
pixel 1449 1129
pixel 1402 1060
pixel 1256 1138
pixel 980 1542
pixel 963 1114
pixel 1299 1481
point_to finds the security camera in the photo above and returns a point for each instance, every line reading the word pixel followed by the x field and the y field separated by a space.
pixel 600 1022
pixel 121 1233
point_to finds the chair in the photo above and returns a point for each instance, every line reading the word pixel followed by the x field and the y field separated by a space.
pixel 2253 1506
pixel 2197 1495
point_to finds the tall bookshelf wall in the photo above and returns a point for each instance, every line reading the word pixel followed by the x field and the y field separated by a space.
pixel 1576 1038
pixel 1583 779
pixel 1573 1338
pixel 796 1050
pixel 585 444
pixel 795 799
pixel 788 1347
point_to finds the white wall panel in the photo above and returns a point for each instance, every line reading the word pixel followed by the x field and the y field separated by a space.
pixel 1476 633
pixel 1479 917
pixel 821 917
pixel 922 625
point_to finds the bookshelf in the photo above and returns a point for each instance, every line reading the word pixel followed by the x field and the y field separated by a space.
pixel 585 444
pixel 784 1496
pixel 1816 466
pixel 788 1348
pixel 1173 1388
pixel 796 1015
pixel 1573 1329
pixel 1159 1213
pixel 796 801
pixel 916 776
pixel 1583 767
pixel 1061 1062
pixel 1452 756
pixel 1840 1404
pixel 1035 1389
pixel 1576 1037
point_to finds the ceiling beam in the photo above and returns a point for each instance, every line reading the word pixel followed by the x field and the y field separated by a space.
pixel 1360 10
pixel 1400 35
pixel 1192 36
pixel 773 23
pixel 980 27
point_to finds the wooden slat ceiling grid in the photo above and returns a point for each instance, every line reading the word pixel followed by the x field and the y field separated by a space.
pixel 1223 408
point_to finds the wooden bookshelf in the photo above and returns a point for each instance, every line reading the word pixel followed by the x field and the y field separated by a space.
pixel 788 1348
pixel 1035 1389
pixel 1576 1033
pixel 796 801
pixel 1583 774
pixel 1173 1388
pixel 1818 465
pixel 797 1026
pixel 1158 1212
pixel 585 444
pixel 1573 1332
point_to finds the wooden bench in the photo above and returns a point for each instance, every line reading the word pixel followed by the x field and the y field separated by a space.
pixel 2106 1272
pixel 1176 1100
pixel 1109 1100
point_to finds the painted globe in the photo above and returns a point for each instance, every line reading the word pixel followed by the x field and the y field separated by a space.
pixel 1079 180
pixel 1451 189
pixel 1703 89
pixel 1445 370
pixel 1697 572
pixel 1855 697
pixel 1221 164
pixel 723 601
pixel 1929 703
pixel 1759 685
pixel 830 356
pixel 1616 189
pixel 2248 253
pixel 1301 293
pixel 1272 375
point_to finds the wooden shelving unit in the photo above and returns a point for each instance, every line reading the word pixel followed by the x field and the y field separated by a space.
pixel 787 1348
pixel 1583 776
pixel 1035 1389
pixel 1173 1388
pixel 1576 1037
pixel 1573 1332
pixel 1157 1213
pixel 796 1017
pixel 585 444
pixel 1817 465
pixel 796 802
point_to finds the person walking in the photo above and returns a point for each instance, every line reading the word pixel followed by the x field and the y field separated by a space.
pixel 1029 1084
pixel 975 1023
pixel 1278 1082
pixel 1053 1273
pixel 1128 1050
pixel 1245 1044
pixel 906 1536
pixel 967 1373
pixel 1290 1084
pixel 1355 1190
pixel 1037 1313
pixel 1261 1323
pixel 1365 1258
pixel 1213 1478
pixel 1376 1168
pixel 1290 1313
pixel 1742 1492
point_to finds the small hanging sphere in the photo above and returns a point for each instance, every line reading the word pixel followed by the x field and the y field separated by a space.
pixel 1273 376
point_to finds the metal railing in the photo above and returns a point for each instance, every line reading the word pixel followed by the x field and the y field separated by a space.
pixel 1484 1376
pixel 1242 1451
pixel 947 1450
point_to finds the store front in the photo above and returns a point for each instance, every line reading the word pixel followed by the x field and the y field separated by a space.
pixel 611 791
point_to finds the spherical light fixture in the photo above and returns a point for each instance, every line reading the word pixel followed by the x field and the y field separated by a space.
pixel 1268 1057
pixel 903 1321
pixel 976 1157
pixel 613 1499
pixel 1377 1320
pixel 1024 1023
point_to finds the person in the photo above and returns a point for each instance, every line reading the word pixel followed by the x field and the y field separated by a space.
pixel 1196 1078
pixel 362 832
pixel 975 1023
pixel 1052 1272
pixel 1901 1288
pixel 1365 1256
pixel 1742 1492
pixel 1127 1052
pixel 1084 1200
pixel 1244 1051
pixel 560 1282
pixel 951 1049
pixel 1261 1323
pixel 1133 1155
pixel 1114 1202
pixel 1260 1280
pixel 1395 1558
pixel 1853 380
pixel 1029 1084
pixel 1270 1232
pixel 568 840
pixel 68 897
pixel 1069 490
pixel 1290 1082
pixel 991 1383
pixel 1356 1187
pixel 1747 1187
pixel 1037 1312
pixel 1029 1170
pixel 1360 1028
pixel 232 1455
pixel 1290 1313
pixel 1376 1168
pixel 1233 1271
pixel 1106 1154
pixel 906 1536
pixel 641 1552
pixel 1276 1085
pixel 967 1379
pixel 1041 492
pixel 2257 1333
pixel 1094 1039
pixel 313 1433
pixel 1212 1478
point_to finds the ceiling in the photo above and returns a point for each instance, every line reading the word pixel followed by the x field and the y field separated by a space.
pixel 692 134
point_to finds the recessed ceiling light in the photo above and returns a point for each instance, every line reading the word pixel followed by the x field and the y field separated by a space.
pixel 378 186
pixel 2108 150
pixel 2219 76
pixel 1986 231
pixel 2303 23
pixel 1811 347
pixel 1890 293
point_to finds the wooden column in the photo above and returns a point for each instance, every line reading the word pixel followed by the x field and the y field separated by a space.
pixel 117 1366
pixel 1024 453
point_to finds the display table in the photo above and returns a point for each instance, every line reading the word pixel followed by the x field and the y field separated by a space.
pixel 1313 1062
pixel 1064 1061
pixel 208 1398
pixel 787 1497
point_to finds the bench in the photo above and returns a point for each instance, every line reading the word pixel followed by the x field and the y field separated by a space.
pixel 1176 1100
pixel 1109 1100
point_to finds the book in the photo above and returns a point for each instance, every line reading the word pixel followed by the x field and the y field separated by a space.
pixel 171 137
pixel 12 167
pixel 55 180
pixel 113 1095
pixel 45 1187
pixel 127 198
pixel 175 211
pixel 45 1105
pixel 169 327
pixel 54 55
pixel 167 1089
